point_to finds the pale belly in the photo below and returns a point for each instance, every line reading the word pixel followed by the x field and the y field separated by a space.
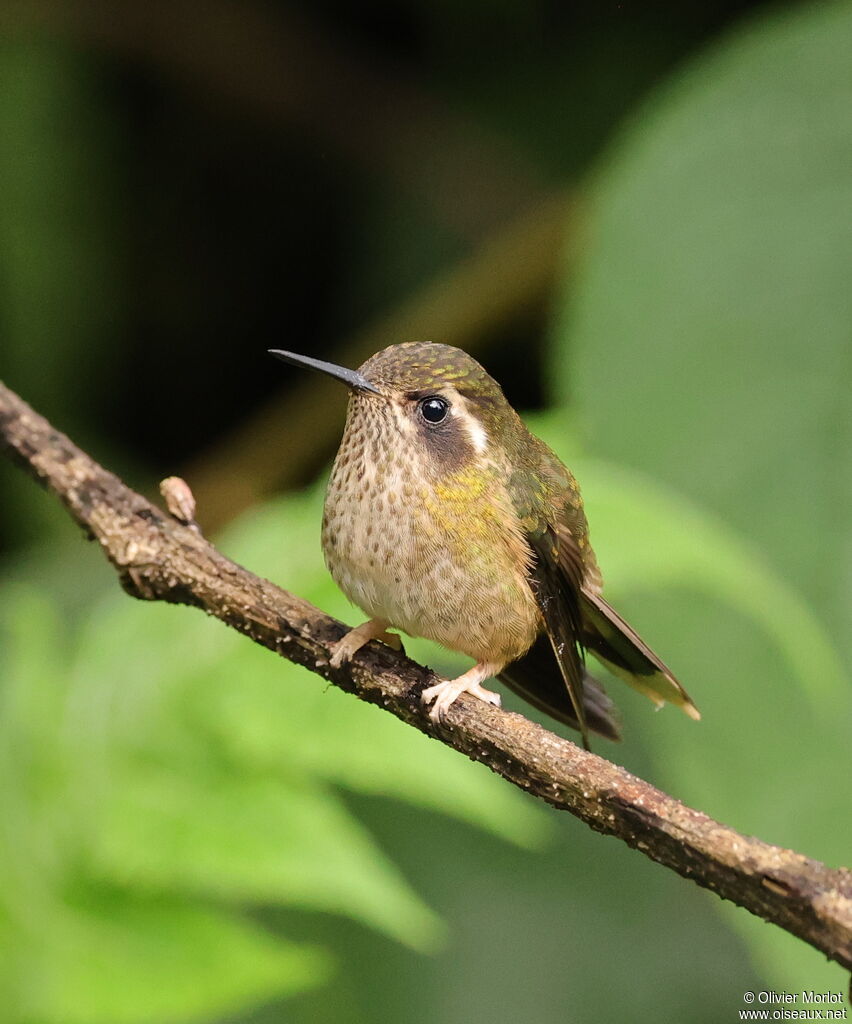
pixel 453 578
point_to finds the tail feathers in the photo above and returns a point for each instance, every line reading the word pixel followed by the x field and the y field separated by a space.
pixel 537 678
pixel 617 646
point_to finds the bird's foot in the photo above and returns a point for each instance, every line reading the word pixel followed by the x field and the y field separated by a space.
pixel 374 629
pixel 445 693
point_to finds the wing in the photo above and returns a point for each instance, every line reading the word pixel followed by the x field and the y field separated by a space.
pixel 567 585
pixel 538 680
pixel 547 500
pixel 559 601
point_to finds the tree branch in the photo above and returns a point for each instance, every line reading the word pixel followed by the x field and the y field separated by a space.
pixel 159 558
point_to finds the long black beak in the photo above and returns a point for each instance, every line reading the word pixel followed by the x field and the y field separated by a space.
pixel 350 377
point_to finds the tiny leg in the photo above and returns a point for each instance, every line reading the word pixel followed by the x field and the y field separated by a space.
pixel 445 692
pixel 374 629
pixel 393 640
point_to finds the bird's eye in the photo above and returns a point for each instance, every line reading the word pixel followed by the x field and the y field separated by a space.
pixel 434 409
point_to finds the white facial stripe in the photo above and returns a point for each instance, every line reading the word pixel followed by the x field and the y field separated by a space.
pixel 475 430
pixel 477 434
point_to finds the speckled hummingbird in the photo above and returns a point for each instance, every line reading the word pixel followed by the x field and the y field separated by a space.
pixel 447 519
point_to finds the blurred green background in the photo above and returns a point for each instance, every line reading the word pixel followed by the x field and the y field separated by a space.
pixel 639 217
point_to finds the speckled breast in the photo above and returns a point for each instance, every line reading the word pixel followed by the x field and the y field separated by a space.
pixel 434 556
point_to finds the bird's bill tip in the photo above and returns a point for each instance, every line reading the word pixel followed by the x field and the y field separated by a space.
pixel 349 377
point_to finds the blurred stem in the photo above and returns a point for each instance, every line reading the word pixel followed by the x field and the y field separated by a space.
pixel 512 272
pixel 161 559
pixel 59 297
pixel 278 66
pixel 286 71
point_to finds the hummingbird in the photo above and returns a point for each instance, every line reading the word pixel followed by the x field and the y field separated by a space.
pixel 446 518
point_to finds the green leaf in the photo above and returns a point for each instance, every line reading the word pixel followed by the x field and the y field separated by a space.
pixel 196 767
pixel 655 540
pixel 34 824
pixel 170 814
pixel 279 715
pixel 115 958
pixel 266 840
pixel 99 954
pixel 706 341
pixel 263 710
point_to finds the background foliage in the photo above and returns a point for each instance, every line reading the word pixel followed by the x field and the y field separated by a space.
pixel 193 830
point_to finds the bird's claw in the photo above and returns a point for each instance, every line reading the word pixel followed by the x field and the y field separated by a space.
pixel 354 640
pixel 445 693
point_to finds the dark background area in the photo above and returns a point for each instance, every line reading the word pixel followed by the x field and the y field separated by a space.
pixel 263 174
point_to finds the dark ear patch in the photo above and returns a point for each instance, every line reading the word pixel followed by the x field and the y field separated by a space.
pixel 447 444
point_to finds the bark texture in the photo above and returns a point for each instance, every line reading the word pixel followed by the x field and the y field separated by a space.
pixel 160 558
